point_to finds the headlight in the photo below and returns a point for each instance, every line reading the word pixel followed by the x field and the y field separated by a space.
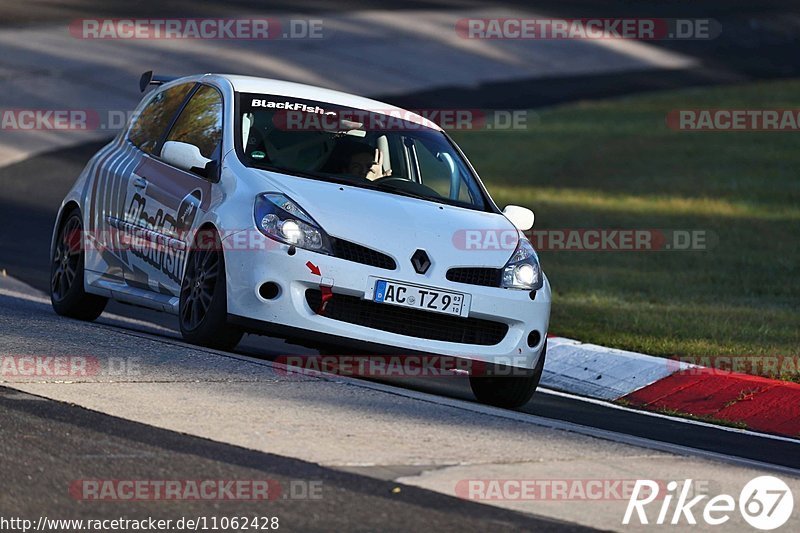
pixel 281 219
pixel 523 271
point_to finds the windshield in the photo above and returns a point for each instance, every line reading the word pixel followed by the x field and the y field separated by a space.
pixel 381 151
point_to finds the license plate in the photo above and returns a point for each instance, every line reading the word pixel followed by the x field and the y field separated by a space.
pixel 419 297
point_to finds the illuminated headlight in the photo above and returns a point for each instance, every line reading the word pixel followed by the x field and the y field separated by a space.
pixel 523 271
pixel 279 218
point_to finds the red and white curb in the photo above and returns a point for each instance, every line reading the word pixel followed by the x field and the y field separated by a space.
pixel 666 385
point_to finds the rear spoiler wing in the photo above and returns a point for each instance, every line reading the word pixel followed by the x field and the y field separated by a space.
pixel 148 78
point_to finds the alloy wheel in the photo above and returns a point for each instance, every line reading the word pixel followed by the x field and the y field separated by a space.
pixel 197 290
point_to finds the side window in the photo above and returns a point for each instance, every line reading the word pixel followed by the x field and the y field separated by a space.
pixel 154 119
pixel 200 122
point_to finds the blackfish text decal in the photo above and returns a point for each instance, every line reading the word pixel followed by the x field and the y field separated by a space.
pixel 158 238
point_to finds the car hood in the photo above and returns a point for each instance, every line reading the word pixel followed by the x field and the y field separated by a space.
pixel 399 225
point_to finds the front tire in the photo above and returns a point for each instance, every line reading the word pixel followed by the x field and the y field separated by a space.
pixel 67 294
pixel 203 307
pixel 509 391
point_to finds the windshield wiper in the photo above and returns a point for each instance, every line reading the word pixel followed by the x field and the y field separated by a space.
pixel 402 192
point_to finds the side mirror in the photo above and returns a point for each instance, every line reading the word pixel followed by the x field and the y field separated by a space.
pixel 185 156
pixel 521 217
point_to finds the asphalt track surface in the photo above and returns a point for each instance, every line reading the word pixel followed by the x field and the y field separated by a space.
pixel 62 443
pixel 34 188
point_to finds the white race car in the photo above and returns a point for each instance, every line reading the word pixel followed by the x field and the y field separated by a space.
pixel 244 204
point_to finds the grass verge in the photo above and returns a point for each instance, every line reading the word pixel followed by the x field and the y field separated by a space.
pixel 615 164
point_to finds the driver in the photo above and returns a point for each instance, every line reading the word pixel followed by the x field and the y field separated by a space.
pixel 366 162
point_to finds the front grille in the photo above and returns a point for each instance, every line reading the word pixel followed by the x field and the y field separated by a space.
pixel 411 322
pixel 351 251
pixel 488 277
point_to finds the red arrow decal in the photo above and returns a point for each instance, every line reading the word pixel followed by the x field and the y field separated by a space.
pixel 313 268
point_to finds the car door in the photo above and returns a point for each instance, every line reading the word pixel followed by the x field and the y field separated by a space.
pixel 175 198
pixel 116 186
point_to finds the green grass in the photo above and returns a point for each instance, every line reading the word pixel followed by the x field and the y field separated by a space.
pixel 615 164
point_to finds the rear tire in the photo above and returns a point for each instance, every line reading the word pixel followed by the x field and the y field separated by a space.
pixel 67 294
pixel 203 307
pixel 500 389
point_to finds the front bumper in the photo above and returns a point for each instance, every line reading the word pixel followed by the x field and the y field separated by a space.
pixel 289 314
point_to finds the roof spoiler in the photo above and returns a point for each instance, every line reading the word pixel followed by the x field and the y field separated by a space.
pixel 148 78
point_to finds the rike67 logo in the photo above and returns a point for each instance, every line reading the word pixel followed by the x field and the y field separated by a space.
pixel 765 503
